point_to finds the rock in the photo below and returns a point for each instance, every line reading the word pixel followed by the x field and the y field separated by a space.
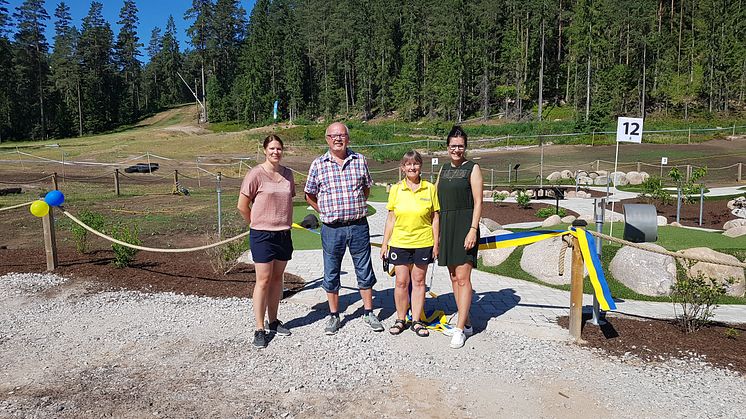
pixel 583 194
pixel 634 178
pixel 581 173
pixel 735 231
pixel 602 172
pixel 568 219
pixel 644 272
pixel 570 194
pixel 552 220
pixel 645 176
pixel 585 180
pixel 494 257
pixel 492 225
pixel 514 194
pixel 486 193
pixel 388 188
pixel 719 273
pixel 734 223
pixel 592 175
pixel 600 181
pixel 661 220
pixel 618 178
pixel 675 224
pixel 566 174
pixel 530 193
pixel 554 176
pixel 588 218
pixel 739 212
pixel 541 259
pixel 739 202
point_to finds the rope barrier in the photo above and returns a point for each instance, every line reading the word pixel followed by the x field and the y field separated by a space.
pixel 152 249
pixel 25 182
pixel 16 206
pixel 667 252
pixel 142 179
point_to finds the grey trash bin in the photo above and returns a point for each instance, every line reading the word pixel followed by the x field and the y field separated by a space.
pixel 640 223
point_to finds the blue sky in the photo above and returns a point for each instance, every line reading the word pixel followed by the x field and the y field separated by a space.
pixel 152 13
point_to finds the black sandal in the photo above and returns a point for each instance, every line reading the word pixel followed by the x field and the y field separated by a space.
pixel 420 331
pixel 398 327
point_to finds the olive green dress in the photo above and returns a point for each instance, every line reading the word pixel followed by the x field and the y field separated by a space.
pixel 456 210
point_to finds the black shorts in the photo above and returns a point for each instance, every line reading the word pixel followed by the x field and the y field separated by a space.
pixel 419 256
pixel 267 246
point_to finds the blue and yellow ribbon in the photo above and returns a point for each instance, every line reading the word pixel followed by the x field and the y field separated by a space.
pixel 586 242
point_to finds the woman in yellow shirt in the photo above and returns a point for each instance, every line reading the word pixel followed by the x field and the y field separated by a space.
pixel 410 240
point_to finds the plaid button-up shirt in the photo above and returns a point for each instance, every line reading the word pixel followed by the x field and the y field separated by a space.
pixel 340 190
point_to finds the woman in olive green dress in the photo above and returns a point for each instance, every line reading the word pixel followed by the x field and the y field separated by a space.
pixel 460 195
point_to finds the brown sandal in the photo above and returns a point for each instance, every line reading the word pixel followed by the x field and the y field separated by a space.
pixel 398 327
pixel 420 331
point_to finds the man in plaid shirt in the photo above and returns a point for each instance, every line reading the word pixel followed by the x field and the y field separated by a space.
pixel 337 188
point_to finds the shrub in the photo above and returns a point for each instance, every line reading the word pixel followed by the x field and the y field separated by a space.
pixel 697 297
pixel 498 197
pixel 224 258
pixel 123 255
pixel 523 200
pixel 689 188
pixel 732 333
pixel 652 189
pixel 80 235
pixel 548 211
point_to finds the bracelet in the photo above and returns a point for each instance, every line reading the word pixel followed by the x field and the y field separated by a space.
pixel 474 228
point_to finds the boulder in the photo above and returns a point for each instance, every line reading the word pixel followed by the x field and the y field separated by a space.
pixel 634 178
pixel 570 194
pixel 719 273
pixel 552 220
pixel 592 175
pixel 486 193
pixel 735 231
pixel 585 180
pixel 661 220
pixel 618 178
pixel 541 259
pixel 739 212
pixel 581 173
pixel 645 176
pixel 734 223
pixel 566 174
pixel 514 194
pixel 602 172
pixel 736 203
pixel 600 181
pixel 494 257
pixel 554 176
pixel 675 224
pixel 583 194
pixel 644 272
pixel 568 219
pixel 492 225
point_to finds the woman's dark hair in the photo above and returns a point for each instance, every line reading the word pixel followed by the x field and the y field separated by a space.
pixel 411 155
pixel 456 132
pixel 270 138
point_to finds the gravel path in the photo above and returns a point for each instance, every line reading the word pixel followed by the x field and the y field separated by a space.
pixel 69 351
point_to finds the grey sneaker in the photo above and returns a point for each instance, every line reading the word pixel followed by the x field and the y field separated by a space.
pixel 373 322
pixel 276 327
pixel 260 339
pixel 332 325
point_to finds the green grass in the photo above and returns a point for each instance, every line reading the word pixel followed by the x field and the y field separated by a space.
pixel 378 194
pixel 229 126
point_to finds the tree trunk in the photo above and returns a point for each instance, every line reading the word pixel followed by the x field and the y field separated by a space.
pixel 80 111
pixel 541 72
pixel 588 78
pixel 681 26
pixel 644 73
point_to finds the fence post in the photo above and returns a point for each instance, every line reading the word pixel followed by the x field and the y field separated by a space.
pixel 593 139
pixel 688 172
pixel 639 166
pixel 492 178
pixel 220 220
pixel 598 163
pixel 176 181
pixel 50 242
pixel 116 181
pixel 576 285
pixel 54 181
pixel 740 167
pixel 508 140
pixel 689 140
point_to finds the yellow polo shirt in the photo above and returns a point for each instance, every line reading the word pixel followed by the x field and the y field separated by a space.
pixel 413 228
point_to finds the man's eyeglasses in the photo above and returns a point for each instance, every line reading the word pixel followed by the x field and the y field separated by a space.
pixel 456 147
pixel 337 136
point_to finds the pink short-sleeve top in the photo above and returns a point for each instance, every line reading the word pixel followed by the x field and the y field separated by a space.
pixel 271 195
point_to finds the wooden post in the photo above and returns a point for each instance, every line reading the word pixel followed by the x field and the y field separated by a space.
pixel 50 242
pixel 639 166
pixel 576 285
pixel 116 181
pixel 688 172
pixel 598 164
pixel 740 167
pixel 593 139
pixel 176 180
pixel 54 181
pixel 689 140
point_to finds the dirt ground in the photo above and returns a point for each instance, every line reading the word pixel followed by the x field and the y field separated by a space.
pixel 715 213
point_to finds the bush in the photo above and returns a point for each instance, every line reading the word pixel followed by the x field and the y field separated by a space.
pixel 123 255
pixel 498 197
pixel 652 189
pixel 523 199
pixel 548 211
pixel 224 258
pixel 697 297
pixel 80 235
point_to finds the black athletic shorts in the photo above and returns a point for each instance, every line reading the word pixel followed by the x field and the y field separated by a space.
pixel 267 246
pixel 419 256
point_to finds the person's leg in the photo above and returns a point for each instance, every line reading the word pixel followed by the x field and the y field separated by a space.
pixel 418 274
pixel 463 302
pixel 333 242
pixel 359 244
pixel 260 297
pixel 275 289
pixel 401 291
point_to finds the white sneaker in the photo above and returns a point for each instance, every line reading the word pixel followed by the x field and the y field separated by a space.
pixel 468 331
pixel 458 339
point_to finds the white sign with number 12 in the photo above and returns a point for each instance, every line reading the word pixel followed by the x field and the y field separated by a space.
pixel 629 130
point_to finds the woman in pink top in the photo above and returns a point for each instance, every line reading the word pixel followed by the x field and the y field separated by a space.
pixel 266 203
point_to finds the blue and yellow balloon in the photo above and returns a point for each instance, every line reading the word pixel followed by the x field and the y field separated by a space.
pixel 40 207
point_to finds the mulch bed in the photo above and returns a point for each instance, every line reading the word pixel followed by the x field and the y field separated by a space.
pixel 187 273
pixel 509 212
pixel 658 340
pixel 714 213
